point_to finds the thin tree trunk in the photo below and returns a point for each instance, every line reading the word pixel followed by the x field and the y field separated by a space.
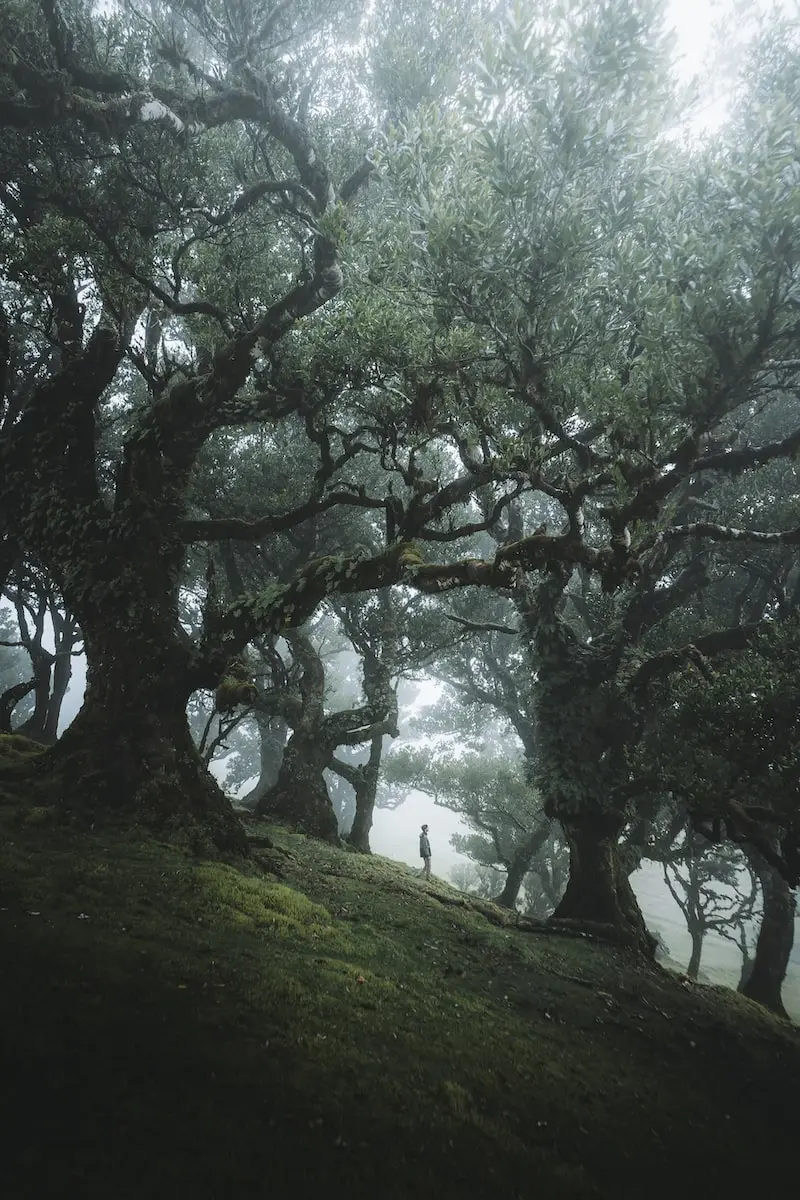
pixel 34 726
pixel 520 864
pixel 62 673
pixel 775 939
pixel 697 933
pixel 366 788
pixel 272 740
pixel 746 971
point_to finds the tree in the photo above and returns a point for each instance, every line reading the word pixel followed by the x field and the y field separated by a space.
pixel 125 212
pixel 549 298
pixel 737 725
pixel 491 790
pixel 371 625
pixel 762 978
pixel 706 889
pixel 14 681
pixel 475 877
pixel 177 207
pixel 637 303
pixel 41 616
pixel 300 793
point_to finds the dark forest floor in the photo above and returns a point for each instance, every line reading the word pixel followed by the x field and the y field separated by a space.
pixel 325 1024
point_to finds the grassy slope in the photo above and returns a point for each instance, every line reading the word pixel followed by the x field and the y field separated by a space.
pixel 170 1027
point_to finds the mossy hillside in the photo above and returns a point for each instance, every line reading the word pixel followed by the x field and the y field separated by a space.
pixel 16 754
pixel 318 1017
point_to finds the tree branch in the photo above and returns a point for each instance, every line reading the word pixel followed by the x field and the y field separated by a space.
pixel 225 528
pixel 722 641
pixel 727 533
pixel 481 627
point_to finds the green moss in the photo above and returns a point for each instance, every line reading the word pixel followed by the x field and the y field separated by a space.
pixel 15 746
pixel 253 902
pixel 39 814
pixel 322 1016
pixel 18 756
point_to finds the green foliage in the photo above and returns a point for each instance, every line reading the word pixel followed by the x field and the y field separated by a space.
pixel 738 728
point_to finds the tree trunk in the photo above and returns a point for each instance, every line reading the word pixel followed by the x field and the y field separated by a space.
pixel 366 789
pixel 62 673
pixel 598 890
pixel 42 725
pixel 129 752
pixel 300 796
pixel 517 870
pixel 272 738
pixel 697 933
pixel 520 864
pixel 585 725
pixel 34 726
pixel 747 965
pixel 775 939
pixel 9 700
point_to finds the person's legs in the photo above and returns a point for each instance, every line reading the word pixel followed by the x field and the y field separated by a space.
pixel 426 870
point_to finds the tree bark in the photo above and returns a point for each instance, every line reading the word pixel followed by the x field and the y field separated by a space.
pixel 598 889
pixel 585 725
pixel 34 726
pixel 517 870
pixel 42 725
pixel 520 864
pixel 9 700
pixel 747 966
pixel 365 783
pixel 129 752
pixel 775 939
pixel 697 933
pixel 62 673
pixel 300 795
pixel 272 739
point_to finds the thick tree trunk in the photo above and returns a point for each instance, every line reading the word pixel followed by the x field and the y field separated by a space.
pixel 129 753
pixel 598 890
pixel 775 939
pixel 300 796
pixel 697 933
pixel 585 725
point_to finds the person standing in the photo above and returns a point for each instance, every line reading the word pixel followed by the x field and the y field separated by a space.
pixel 425 853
